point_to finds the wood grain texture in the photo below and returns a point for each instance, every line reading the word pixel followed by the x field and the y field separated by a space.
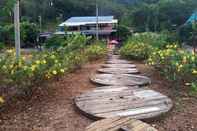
pixel 120 79
pixel 118 61
pixel 118 70
pixel 118 66
pixel 118 123
pixel 138 103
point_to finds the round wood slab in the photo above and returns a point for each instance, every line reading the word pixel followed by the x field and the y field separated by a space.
pixel 119 66
pixel 118 61
pixel 120 87
pixel 118 123
pixel 114 56
pixel 118 70
pixel 120 80
pixel 121 102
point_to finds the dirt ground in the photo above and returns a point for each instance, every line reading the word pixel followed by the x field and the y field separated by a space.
pixel 183 116
pixel 52 109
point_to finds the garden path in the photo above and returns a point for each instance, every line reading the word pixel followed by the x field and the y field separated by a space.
pixel 123 96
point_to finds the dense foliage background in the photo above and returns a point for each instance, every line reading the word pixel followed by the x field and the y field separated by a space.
pixel 154 15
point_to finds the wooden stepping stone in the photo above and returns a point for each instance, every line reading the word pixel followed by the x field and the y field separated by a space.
pixel 122 102
pixel 120 87
pixel 120 80
pixel 119 66
pixel 118 70
pixel 120 124
pixel 114 61
pixel 113 56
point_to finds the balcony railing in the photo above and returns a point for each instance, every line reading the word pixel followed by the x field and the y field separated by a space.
pixel 93 32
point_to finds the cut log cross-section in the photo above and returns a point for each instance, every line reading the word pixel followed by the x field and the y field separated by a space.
pixel 118 70
pixel 118 66
pixel 117 61
pixel 123 101
pixel 120 80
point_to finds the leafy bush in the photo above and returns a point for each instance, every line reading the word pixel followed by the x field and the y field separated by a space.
pixel 188 32
pixel 140 45
pixel 2 45
pixel 75 42
pixel 96 51
pixel 7 34
pixel 175 64
pixel 154 39
pixel 29 32
pixel 70 43
pixel 54 42
pixel 139 51
pixel 34 69
pixel 123 32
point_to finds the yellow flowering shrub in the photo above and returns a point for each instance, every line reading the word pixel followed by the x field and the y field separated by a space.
pixel 175 63
pixel 28 72
pixel 137 50
pixel 1 100
pixel 96 51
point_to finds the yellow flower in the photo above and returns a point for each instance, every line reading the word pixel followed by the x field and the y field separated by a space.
pixel 4 67
pixel 2 100
pixel 10 51
pixel 180 66
pixel 44 62
pixel 38 62
pixel 194 71
pixel 193 58
pixel 53 56
pixel 193 52
pixel 184 59
pixel 62 70
pixel 48 76
pixel 33 67
pixel 11 66
pixel 54 72
pixel 23 58
pixel 25 67
pixel 56 61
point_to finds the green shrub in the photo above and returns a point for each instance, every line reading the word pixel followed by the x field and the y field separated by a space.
pixel 96 51
pixel 138 51
pixel 2 45
pixel 140 45
pixel 175 64
pixel 154 39
pixel 29 33
pixel 123 32
pixel 75 42
pixel 7 34
pixel 34 69
pixel 54 42
pixel 69 43
pixel 193 87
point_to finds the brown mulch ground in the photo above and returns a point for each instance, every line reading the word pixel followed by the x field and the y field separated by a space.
pixel 52 109
pixel 183 116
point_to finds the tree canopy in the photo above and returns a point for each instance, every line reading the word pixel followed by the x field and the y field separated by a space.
pixel 142 15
